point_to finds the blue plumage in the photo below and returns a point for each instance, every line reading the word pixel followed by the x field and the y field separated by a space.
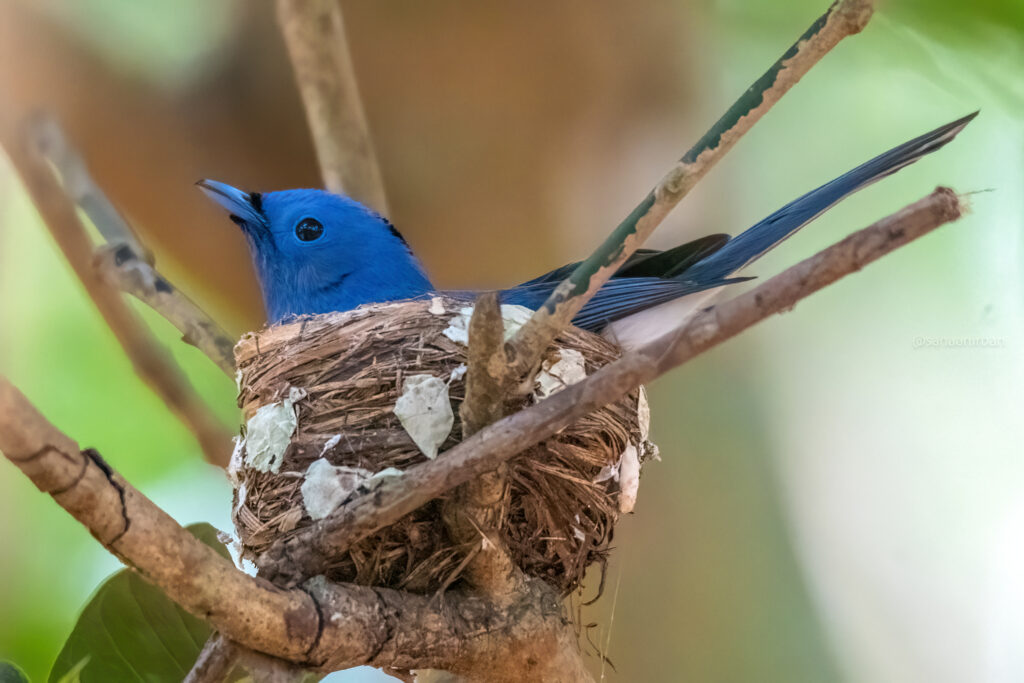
pixel 317 252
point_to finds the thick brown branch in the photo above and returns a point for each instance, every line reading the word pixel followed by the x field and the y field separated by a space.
pixel 320 625
pixel 315 36
pixel 843 18
pixel 151 361
pixel 304 554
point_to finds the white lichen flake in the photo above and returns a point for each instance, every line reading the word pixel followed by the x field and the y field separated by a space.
pixel 425 412
pixel 235 463
pixel 330 443
pixel 436 306
pixel 643 414
pixel 569 369
pixel 269 431
pixel 629 478
pixel 608 472
pixel 327 486
pixel 512 316
pixel 458 373
pixel 378 478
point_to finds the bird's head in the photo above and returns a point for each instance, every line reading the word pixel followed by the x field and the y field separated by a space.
pixel 317 252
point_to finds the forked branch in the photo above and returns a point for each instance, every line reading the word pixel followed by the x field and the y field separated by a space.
pixel 151 360
pixel 125 262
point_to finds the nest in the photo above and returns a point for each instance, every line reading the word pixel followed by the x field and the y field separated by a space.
pixel 332 382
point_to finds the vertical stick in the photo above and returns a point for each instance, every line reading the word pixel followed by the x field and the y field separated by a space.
pixel 315 35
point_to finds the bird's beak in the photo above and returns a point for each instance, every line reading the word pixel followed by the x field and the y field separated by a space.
pixel 240 205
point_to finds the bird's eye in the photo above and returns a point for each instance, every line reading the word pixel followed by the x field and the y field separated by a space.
pixel 309 229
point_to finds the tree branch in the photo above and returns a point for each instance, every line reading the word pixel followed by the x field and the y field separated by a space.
pixel 307 553
pixel 215 662
pixel 320 625
pixel 125 263
pixel 150 360
pixel 315 35
pixel 843 18
pixel 474 514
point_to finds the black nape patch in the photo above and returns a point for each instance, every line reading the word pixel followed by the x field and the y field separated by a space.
pixel 394 231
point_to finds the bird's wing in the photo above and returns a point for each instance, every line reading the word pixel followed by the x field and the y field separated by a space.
pixel 648 262
pixel 618 298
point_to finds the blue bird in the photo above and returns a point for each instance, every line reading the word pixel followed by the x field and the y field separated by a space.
pixel 317 252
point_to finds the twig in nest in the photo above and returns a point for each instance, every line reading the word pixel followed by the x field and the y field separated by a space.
pixel 304 554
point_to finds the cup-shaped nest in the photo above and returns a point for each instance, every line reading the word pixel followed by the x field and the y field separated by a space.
pixel 334 404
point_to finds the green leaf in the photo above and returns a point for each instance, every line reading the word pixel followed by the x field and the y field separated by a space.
pixel 130 631
pixel 12 673
pixel 74 675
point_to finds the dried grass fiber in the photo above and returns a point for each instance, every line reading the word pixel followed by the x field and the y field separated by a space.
pixel 558 520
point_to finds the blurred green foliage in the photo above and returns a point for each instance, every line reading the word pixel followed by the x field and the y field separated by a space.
pixel 169 43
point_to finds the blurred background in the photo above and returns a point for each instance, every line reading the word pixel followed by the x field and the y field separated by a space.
pixel 840 497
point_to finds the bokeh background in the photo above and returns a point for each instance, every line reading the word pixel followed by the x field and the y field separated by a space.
pixel 841 492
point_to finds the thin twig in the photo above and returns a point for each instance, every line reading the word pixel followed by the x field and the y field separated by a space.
pixel 120 268
pixel 125 262
pixel 321 625
pixel 50 140
pixel 151 361
pixel 844 18
pixel 315 36
pixel 307 553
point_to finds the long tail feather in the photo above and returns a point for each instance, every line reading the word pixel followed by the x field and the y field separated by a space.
pixel 760 238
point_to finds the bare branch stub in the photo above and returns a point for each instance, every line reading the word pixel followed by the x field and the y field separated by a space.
pixel 843 18
pixel 315 36
pixel 150 359
pixel 475 512
pixel 293 560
